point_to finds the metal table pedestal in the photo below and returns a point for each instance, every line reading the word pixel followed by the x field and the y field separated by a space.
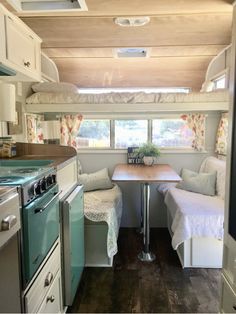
pixel 146 255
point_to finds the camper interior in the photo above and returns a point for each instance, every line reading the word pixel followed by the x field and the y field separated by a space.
pixel 117 168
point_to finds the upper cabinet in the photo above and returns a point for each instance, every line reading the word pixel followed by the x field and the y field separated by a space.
pixel 20 49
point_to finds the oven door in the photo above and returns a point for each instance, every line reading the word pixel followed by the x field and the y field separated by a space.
pixel 40 230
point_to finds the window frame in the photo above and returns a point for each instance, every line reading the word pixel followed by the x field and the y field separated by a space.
pixel 224 73
pixel 98 148
pixel 149 118
pixel 169 147
pixel 217 79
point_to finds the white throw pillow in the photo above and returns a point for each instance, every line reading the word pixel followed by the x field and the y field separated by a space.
pixel 50 87
pixel 95 181
pixel 211 164
pixel 203 182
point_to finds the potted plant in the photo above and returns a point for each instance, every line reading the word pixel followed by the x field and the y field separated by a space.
pixel 149 153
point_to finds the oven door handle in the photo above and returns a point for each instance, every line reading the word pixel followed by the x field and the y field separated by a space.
pixel 41 209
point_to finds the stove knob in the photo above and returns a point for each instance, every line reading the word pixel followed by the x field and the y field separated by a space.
pixel 49 180
pixel 43 185
pixel 54 178
pixel 34 189
pixel 37 188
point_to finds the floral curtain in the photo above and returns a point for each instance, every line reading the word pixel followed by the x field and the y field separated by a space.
pixel 222 135
pixel 70 125
pixel 34 128
pixel 196 122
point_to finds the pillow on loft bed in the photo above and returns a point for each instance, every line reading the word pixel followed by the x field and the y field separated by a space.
pixel 98 180
pixel 51 87
pixel 203 183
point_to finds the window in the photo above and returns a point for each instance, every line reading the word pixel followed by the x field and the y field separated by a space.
pixel 134 90
pixel 171 133
pixel 174 133
pixel 130 133
pixel 220 82
pixel 94 133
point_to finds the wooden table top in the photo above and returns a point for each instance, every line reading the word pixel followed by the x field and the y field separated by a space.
pixel 142 173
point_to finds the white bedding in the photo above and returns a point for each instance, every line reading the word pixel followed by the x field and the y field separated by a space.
pixel 140 97
pixel 194 215
pixel 105 205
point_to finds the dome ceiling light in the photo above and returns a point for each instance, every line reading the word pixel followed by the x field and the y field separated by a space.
pixel 132 21
pixel 131 52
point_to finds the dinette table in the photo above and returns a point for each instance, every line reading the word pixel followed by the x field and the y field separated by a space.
pixel 145 175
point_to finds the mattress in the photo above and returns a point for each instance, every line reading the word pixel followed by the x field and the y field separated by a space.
pixel 129 98
pixel 194 215
pixel 106 206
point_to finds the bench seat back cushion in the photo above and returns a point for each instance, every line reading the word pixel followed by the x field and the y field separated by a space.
pixel 98 180
pixel 212 164
pixel 203 183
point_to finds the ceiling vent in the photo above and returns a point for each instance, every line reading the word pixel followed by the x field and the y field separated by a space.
pixel 131 52
pixel 40 6
pixel 132 21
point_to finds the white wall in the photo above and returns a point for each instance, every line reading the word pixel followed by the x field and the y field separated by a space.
pixel 131 191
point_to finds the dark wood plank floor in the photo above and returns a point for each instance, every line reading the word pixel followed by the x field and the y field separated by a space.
pixel 158 287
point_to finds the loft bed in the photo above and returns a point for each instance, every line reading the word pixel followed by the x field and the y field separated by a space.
pixel 127 102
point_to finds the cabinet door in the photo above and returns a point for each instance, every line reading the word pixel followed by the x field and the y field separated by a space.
pixel 43 283
pixel 228 298
pixel 21 46
pixel 52 301
pixel 67 178
pixel 73 242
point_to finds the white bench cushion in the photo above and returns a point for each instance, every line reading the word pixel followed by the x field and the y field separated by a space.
pixel 194 215
pixel 105 205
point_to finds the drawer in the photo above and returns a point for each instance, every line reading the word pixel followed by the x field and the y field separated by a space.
pixel 228 298
pixel 43 282
pixel 52 301
pixel 199 245
pixel 10 207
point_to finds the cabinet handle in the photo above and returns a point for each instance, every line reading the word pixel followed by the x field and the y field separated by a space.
pixel 234 307
pixel 51 299
pixel 8 222
pixel 27 64
pixel 48 279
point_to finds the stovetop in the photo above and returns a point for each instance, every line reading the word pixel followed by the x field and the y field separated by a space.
pixel 33 180
pixel 22 175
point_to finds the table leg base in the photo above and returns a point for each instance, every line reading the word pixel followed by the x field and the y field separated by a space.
pixel 146 257
pixel 139 230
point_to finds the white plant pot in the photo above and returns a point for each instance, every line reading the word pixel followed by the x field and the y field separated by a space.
pixel 149 160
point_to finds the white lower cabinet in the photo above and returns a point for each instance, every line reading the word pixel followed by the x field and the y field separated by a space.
pixel 228 297
pixel 67 177
pixel 52 301
pixel 45 293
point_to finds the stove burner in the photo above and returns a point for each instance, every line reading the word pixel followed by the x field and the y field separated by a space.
pixel 9 179
pixel 26 170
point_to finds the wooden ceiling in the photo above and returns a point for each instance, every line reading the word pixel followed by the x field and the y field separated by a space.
pixel 183 37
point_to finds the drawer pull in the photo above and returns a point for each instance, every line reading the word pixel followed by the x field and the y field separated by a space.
pixel 48 279
pixel 27 64
pixel 8 222
pixel 51 299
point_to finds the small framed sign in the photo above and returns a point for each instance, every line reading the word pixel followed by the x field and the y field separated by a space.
pixel 132 157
